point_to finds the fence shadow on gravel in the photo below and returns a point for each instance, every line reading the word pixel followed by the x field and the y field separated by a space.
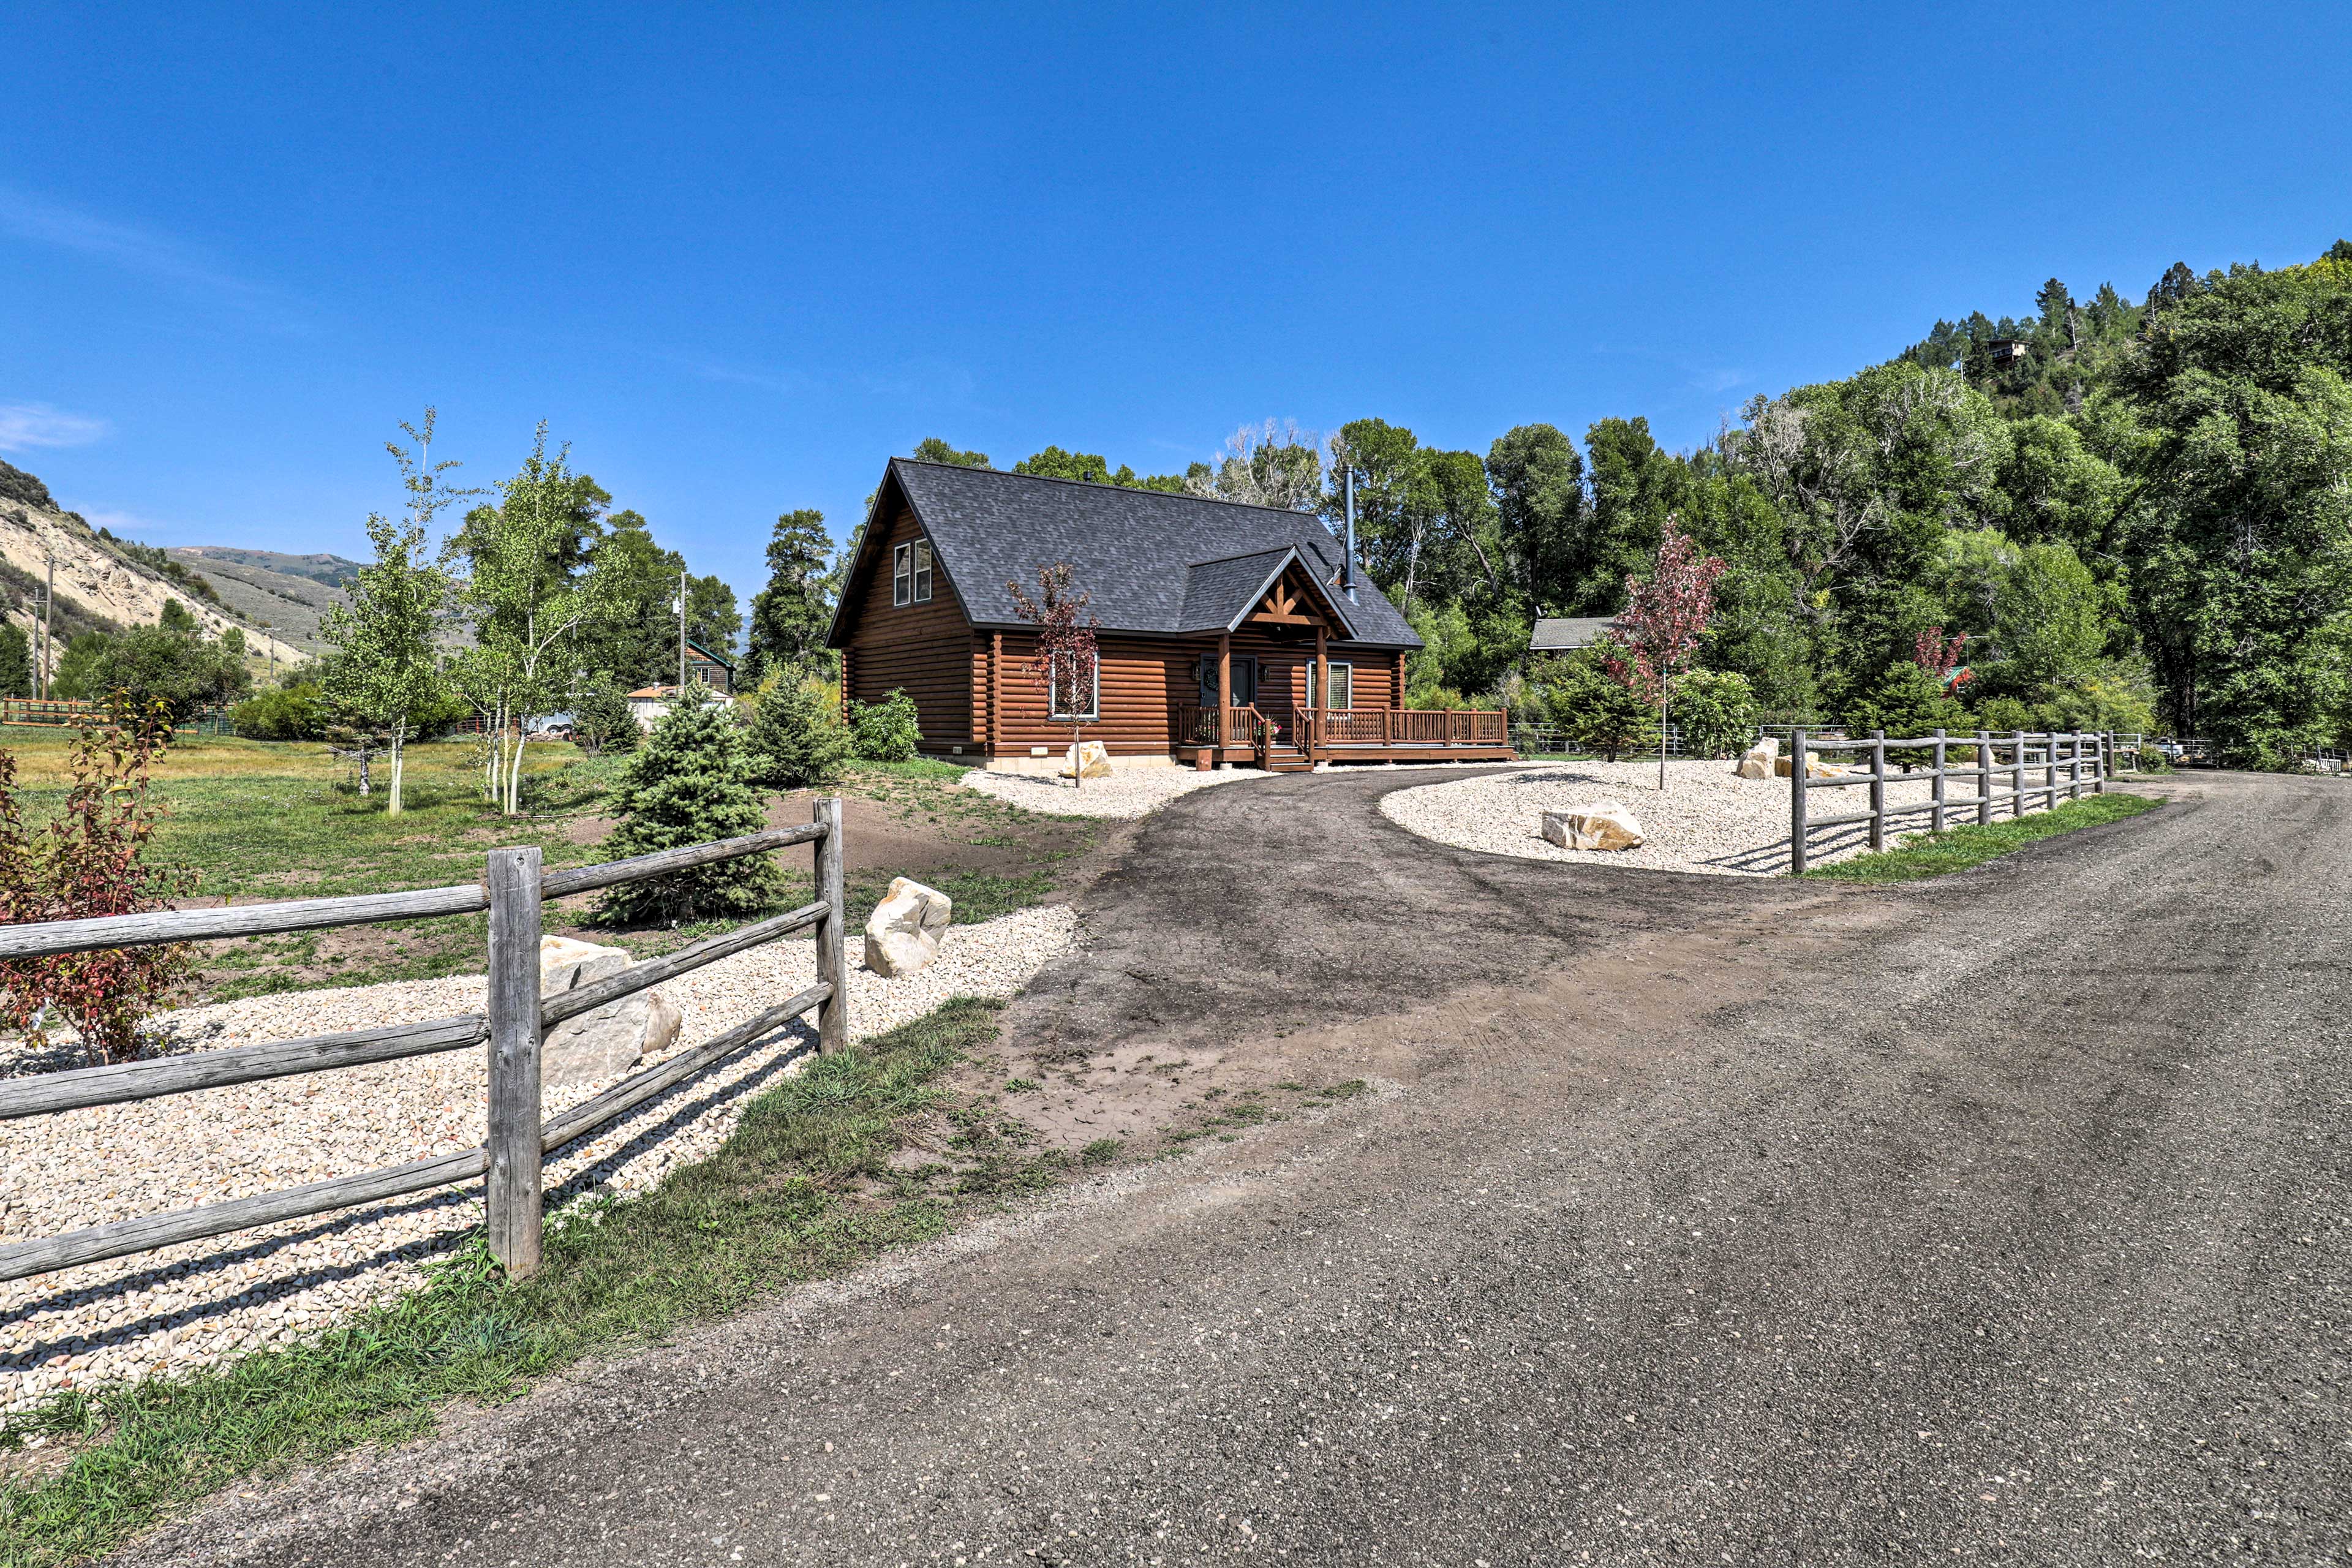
pixel 513 1026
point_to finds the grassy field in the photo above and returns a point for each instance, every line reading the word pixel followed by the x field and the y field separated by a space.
pixel 1957 848
pixel 261 820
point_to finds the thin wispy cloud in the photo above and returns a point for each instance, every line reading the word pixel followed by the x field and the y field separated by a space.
pixel 1719 380
pixel 27 427
pixel 27 217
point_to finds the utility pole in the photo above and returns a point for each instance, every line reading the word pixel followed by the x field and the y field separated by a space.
pixel 681 633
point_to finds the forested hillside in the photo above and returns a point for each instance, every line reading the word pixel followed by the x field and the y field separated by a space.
pixel 2134 514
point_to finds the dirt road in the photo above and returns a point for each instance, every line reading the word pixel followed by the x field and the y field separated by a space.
pixel 1694 1219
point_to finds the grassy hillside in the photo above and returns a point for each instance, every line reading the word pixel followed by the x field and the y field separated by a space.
pixel 285 593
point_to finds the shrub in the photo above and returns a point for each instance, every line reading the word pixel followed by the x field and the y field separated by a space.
pixel 602 721
pixel 2004 715
pixel 1909 700
pixel 689 784
pixel 885 732
pixel 288 713
pixel 1714 711
pixel 797 739
pixel 90 860
pixel 1597 712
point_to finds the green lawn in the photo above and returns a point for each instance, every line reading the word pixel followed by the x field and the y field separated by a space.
pixel 260 820
pixel 805 1188
pixel 1957 848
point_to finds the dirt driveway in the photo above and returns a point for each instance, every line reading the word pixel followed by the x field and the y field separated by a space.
pixel 1690 1219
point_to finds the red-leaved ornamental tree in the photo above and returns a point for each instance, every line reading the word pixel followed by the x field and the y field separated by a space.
pixel 1065 663
pixel 1656 637
pixel 1938 655
pixel 90 860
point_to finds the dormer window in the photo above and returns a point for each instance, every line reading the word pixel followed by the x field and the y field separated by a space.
pixel 910 573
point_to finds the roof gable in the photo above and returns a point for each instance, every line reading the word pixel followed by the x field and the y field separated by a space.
pixel 1149 562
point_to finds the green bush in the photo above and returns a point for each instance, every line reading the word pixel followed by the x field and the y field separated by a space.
pixel 885 732
pixel 797 739
pixel 16 661
pixel 1909 700
pixel 295 712
pixel 2004 715
pixel 603 722
pixel 1597 712
pixel 689 784
pixel 1714 712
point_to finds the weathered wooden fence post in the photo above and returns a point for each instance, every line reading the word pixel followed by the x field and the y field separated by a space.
pixel 831 931
pixel 1877 789
pixel 2103 763
pixel 2017 776
pixel 2050 772
pixel 1936 813
pixel 2074 766
pixel 513 1187
pixel 1984 778
pixel 1797 802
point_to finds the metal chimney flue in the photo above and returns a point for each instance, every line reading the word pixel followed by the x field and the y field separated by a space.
pixel 1348 569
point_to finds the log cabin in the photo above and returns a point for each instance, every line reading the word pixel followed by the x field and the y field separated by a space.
pixel 1228 633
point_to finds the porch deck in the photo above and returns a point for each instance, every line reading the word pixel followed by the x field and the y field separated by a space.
pixel 1289 739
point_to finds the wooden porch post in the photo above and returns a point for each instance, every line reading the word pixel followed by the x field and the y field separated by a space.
pixel 1322 702
pixel 1224 687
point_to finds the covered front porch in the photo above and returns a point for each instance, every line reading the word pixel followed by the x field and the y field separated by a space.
pixel 1282 738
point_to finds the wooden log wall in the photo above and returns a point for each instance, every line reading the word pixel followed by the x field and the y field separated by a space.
pixel 920 649
pixel 1143 681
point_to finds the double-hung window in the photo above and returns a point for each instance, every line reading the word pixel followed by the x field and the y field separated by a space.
pixel 910 573
pixel 1073 698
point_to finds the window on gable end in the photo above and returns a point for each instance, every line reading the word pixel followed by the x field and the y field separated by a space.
pixel 902 574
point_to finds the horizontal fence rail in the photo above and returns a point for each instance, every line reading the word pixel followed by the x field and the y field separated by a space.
pixel 514 1024
pixel 2046 755
pixel 1318 730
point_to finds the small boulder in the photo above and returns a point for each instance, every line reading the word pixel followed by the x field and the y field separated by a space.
pixel 605 1042
pixel 1603 824
pixel 1091 759
pixel 1814 768
pixel 1760 761
pixel 904 932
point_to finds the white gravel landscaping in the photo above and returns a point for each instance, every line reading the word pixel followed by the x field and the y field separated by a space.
pixel 1709 820
pixel 190 1305
pixel 1124 794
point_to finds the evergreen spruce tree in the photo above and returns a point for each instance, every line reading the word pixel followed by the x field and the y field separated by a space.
pixel 689 784
pixel 16 661
pixel 797 739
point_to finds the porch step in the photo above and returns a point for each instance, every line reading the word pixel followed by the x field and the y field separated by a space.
pixel 1288 759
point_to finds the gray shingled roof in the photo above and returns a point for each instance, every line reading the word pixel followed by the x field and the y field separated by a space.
pixel 1581 631
pixel 1152 562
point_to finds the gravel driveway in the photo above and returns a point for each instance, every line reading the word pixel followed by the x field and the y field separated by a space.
pixel 1692 1219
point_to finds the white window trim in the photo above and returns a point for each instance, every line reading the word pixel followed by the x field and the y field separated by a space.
pixel 902 574
pixel 1323 699
pixel 922 571
pixel 1094 706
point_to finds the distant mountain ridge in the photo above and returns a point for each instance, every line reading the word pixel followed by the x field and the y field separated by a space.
pixel 334 571
pixel 285 592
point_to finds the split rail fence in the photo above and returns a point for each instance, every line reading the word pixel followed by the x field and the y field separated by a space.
pixel 513 1026
pixel 2059 760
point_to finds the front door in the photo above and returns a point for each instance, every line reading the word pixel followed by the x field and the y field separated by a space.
pixel 1244 676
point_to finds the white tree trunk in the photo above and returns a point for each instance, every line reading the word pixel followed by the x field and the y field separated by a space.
pixel 392 804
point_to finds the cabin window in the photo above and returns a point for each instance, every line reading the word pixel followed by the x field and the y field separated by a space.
pixel 910 574
pixel 1067 697
pixel 1343 686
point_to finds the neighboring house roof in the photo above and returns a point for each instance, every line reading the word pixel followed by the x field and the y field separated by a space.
pixel 665 693
pixel 725 664
pixel 1578 631
pixel 1149 562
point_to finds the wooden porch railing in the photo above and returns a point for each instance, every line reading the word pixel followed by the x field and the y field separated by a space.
pixel 1320 729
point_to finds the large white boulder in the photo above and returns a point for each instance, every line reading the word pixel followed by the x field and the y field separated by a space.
pixel 605 1042
pixel 1603 824
pixel 904 932
pixel 1760 760
pixel 1091 759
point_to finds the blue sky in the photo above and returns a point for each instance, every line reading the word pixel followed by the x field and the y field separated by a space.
pixel 738 256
